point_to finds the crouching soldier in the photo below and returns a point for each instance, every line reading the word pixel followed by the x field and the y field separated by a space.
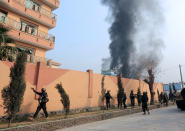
pixel 144 100
pixel 43 99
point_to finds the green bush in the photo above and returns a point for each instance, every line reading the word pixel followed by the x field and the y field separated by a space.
pixel 64 98
pixel 120 89
pixel 13 94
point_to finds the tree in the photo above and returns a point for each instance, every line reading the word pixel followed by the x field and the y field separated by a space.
pixel 9 52
pixel 13 94
pixel 119 82
pixel 6 52
pixel 64 98
pixel 4 38
pixel 120 92
pixel 150 82
pixel 103 91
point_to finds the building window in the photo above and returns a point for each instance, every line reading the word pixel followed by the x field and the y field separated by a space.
pixel 16 25
pixel 2 16
pixel 28 28
pixel 32 5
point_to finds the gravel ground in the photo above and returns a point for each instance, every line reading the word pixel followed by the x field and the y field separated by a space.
pixel 165 119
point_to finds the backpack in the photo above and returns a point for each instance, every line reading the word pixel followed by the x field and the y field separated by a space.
pixel 44 98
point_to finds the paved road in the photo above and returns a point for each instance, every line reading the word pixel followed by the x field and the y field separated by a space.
pixel 166 119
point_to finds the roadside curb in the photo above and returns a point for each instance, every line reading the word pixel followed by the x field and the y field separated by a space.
pixel 69 122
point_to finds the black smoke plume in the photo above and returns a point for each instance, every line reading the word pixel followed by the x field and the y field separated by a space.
pixel 135 35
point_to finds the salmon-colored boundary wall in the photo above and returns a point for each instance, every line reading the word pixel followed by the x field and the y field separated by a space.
pixel 83 88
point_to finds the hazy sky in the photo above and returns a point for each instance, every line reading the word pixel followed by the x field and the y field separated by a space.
pixel 82 37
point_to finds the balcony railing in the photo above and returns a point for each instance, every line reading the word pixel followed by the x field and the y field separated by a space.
pixel 52 3
pixel 38 9
pixel 31 11
pixel 17 25
pixel 40 38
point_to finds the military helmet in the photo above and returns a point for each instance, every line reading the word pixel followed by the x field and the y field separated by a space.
pixel 43 89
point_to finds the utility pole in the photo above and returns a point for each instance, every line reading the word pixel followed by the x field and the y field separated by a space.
pixel 181 76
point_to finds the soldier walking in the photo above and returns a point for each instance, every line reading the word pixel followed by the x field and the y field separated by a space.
pixel 161 98
pixel 132 98
pixel 124 100
pixel 43 99
pixel 139 97
pixel 165 99
pixel 174 98
pixel 108 97
pixel 144 100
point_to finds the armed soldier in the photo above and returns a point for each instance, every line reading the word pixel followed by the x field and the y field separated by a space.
pixel 124 100
pixel 144 100
pixel 161 98
pixel 132 98
pixel 43 99
pixel 139 97
pixel 165 99
pixel 108 97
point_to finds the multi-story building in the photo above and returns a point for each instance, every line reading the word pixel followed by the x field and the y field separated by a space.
pixel 29 22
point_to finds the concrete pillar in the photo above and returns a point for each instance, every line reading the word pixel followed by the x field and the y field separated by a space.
pixel 90 89
pixel 40 66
